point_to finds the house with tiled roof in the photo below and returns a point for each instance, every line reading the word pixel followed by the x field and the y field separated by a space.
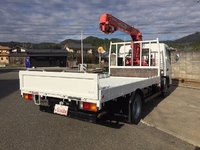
pixel 4 54
pixel 39 57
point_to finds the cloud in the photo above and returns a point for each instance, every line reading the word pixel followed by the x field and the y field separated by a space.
pixel 57 20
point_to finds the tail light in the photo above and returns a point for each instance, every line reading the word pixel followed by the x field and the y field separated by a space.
pixel 28 96
pixel 88 106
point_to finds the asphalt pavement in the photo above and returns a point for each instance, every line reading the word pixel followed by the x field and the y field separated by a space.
pixel 177 114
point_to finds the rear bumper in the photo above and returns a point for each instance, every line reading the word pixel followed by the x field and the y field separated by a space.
pixel 85 116
pixel 73 111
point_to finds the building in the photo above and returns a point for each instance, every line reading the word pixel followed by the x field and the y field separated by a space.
pixel 38 57
pixel 17 56
pixel 76 48
pixel 4 54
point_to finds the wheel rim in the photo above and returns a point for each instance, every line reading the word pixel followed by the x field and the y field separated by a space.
pixel 136 108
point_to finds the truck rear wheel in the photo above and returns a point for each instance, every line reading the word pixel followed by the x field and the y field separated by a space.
pixel 136 109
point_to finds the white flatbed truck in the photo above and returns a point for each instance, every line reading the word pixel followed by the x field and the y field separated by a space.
pixel 91 96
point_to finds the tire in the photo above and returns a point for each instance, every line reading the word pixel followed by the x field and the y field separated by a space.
pixel 136 109
pixel 165 88
pixel 164 91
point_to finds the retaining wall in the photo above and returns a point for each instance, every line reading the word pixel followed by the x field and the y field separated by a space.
pixel 186 71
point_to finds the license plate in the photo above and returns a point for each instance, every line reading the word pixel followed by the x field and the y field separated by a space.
pixel 61 109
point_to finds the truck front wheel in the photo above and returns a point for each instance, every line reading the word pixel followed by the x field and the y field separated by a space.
pixel 136 109
pixel 165 86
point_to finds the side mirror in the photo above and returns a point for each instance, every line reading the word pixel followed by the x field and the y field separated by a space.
pixel 176 57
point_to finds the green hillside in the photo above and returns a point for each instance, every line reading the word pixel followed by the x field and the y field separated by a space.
pixel 190 42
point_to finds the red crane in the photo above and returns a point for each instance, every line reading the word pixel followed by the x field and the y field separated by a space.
pixel 109 24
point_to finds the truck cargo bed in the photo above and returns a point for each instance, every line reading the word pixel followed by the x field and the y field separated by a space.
pixel 113 87
pixel 80 85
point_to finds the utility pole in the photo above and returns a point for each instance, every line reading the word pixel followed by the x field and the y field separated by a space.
pixel 82 47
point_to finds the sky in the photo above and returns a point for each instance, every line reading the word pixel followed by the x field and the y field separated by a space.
pixel 39 21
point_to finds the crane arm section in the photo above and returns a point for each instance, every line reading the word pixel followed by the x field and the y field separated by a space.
pixel 109 24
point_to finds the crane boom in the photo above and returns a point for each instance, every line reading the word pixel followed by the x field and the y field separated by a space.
pixel 109 24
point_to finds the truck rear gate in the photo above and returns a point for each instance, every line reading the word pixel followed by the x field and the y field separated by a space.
pixel 61 84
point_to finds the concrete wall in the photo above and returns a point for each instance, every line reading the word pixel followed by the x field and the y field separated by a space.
pixel 186 71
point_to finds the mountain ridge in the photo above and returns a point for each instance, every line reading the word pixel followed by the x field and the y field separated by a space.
pixel 193 40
